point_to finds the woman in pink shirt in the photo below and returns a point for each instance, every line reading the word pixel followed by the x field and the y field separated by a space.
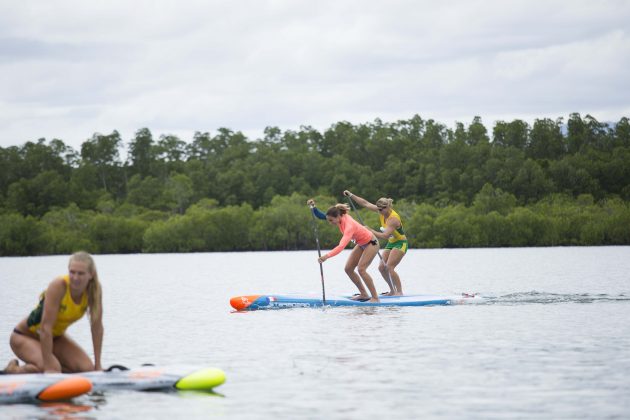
pixel 361 256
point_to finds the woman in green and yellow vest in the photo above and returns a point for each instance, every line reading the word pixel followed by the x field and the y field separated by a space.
pixel 40 340
pixel 392 230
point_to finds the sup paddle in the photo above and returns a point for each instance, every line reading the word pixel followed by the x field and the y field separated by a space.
pixel 388 279
pixel 319 253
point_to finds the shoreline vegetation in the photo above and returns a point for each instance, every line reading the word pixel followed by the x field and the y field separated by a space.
pixel 547 184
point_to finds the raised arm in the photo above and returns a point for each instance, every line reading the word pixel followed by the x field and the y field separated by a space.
pixel 315 210
pixel 361 201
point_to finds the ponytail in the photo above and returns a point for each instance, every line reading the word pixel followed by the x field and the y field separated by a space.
pixel 338 210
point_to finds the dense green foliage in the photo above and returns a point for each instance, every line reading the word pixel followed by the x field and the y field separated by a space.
pixel 520 185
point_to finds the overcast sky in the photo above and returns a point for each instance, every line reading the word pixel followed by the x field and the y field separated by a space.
pixel 69 69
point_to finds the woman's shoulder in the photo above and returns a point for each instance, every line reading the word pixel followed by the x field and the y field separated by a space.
pixel 394 213
pixel 58 283
pixel 347 217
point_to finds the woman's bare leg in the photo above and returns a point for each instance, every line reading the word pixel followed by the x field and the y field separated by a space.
pixel 394 259
pixel 351 264
pixel 71 356
pixel 366 259
pixel 382 267
pixel 29 350
pixel 13 367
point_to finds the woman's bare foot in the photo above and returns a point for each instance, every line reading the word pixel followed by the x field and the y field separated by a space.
pixel 374 300
pixel 391 293
pixel 360 297
pixel 12 367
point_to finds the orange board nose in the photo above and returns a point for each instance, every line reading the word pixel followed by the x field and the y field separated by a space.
pixel 66 388
pixel 242 302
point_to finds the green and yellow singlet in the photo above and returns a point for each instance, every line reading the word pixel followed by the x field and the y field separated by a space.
pixel 69 312
pixel 399 233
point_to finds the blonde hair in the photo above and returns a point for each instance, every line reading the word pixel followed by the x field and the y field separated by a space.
pixel 384 202
pixel 338 210
pixel 94 290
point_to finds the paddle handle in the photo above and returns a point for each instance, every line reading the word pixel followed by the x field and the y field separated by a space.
pixel 319 254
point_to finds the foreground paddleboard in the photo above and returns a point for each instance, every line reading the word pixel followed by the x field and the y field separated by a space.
pixel 255 302
pixel 42 387
pixel 58 386
pixel 148 378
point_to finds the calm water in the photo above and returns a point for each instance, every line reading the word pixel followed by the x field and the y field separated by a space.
pixel 553 341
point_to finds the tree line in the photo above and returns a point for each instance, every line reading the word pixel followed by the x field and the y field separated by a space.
pixel 549 183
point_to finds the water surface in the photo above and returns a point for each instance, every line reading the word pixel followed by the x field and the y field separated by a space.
pixel 552 341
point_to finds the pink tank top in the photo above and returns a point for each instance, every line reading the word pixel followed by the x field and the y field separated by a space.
pixel 351 229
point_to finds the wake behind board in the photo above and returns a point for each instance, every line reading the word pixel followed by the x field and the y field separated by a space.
pixel 256 302
pixel 41 387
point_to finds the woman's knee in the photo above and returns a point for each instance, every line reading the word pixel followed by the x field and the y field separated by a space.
pixel 391 267
pixel 349 269
pixel 77 365
pixel 84 366
pixel 71 356
pixel 362 270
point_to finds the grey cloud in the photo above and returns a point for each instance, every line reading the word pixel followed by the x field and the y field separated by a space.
pixel 75 67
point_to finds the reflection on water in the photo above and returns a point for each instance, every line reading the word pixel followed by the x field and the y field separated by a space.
pixel 94 404
pixel 198 393
pixel 66 410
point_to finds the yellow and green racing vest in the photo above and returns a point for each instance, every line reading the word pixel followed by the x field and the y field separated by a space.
pixel 399 233
pixel 69 312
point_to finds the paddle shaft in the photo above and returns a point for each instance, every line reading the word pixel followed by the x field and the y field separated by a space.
pixel 319 253
pixel 389 278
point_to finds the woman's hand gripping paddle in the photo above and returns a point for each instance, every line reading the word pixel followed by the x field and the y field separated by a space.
pixel 319 253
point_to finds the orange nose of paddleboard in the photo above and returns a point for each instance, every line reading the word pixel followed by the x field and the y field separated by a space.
pixel 242 302
pixel 65 389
